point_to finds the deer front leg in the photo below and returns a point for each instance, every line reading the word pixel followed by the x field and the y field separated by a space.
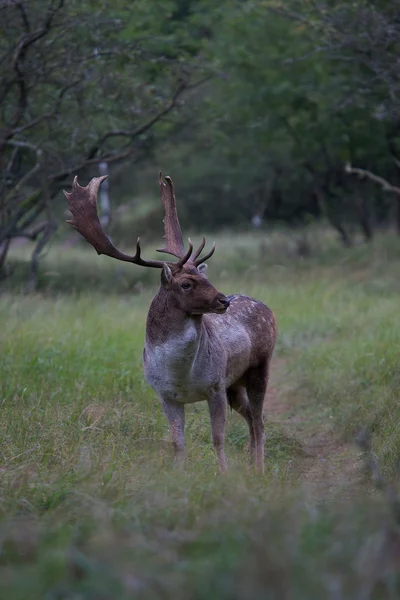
pixel 175 413
pixel 217 404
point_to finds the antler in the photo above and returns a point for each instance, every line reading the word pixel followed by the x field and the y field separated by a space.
pixel 204 258
pixel 173 235
pixel 172 230
pixel 82 203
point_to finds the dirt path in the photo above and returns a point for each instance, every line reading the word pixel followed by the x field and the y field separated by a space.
pixel 324 464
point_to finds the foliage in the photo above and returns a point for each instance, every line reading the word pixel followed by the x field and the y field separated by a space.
pixel 291 103
pixel 83 83
pixel 253 107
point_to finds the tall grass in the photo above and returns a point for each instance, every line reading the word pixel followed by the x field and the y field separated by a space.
pixel 90 504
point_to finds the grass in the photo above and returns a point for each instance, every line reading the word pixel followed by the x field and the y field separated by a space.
pixel 90 505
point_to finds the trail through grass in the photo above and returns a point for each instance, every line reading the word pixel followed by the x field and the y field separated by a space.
pixel 90 504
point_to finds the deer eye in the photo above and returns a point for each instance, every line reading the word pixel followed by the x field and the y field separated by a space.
pixel 186 286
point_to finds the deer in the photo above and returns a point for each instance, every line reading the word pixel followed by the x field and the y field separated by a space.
pixel 200 345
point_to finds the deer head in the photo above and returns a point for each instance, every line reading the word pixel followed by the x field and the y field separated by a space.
pixel 190 289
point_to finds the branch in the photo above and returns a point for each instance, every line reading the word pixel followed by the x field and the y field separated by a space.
pixel 28 39
pixel 30 235
pixel 91 158
pixel 27 218
pixel 288 14
pixel 28 175
pixel 363 174
pixel 46 116
pixel 24 17
pixel 4 248
pixel 109 158
pixel 26 205
pixel 25 42
pixel 143 128
pixel 47 229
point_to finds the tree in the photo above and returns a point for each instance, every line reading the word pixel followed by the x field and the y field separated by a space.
pixel 83 83
pixel 274 113
pixel 361 39
pixel 290 104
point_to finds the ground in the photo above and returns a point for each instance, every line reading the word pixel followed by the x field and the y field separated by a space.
pixel 325 465
pixel 91 506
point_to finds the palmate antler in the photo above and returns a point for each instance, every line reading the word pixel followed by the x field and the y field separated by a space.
pixel 172 230
pixel 82 202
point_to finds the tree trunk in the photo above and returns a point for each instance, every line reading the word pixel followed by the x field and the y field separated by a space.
pixel 43 239
pixel 333 218
pixel 398 214
pixel 3 255
pixel 364 216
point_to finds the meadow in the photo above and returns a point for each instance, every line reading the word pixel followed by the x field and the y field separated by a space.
pixel 91 506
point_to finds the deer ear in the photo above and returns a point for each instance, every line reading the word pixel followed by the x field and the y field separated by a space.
pixel 166 277
pixel 202 268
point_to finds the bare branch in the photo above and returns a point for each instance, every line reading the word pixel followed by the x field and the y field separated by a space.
pixel 143 128
pixel 363 174
pixel 109 158
pixel 26 40
pixel 29 210
pixel 46 230
pixel 288 14
pixel 28 175
pixel 28 217
pixel 46 116
pixel 32 234
pixel 3 254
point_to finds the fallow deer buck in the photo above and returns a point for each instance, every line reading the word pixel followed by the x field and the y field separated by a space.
pixel 200 344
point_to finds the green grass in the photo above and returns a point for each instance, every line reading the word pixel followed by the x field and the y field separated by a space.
pixel 90 504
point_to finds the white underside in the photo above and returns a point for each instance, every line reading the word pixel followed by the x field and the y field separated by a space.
pixel 186 368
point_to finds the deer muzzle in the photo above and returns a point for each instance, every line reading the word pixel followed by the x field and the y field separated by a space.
pixel 222 303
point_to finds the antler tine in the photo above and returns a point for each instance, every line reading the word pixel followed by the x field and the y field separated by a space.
pixel 138 260
pixel 199 251
pixel 204 258
pixel 172 230
pixel 82 203
pixel 186 257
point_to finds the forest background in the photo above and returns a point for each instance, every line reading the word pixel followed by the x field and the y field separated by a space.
pixel 255 108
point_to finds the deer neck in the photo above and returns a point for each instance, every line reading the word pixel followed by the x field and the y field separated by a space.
pixel 178 363
pixel 166 322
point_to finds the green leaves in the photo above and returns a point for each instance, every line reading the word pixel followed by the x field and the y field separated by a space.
pixel 293 95
pixel 87 82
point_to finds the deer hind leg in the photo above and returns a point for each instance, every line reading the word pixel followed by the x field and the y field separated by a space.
pixel 256 385
pixel 175 413
pixel 239 401
pixel 217 404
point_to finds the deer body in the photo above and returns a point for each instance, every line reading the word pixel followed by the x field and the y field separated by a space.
pixel 217 358
pixel 200 344
pixel 200 352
